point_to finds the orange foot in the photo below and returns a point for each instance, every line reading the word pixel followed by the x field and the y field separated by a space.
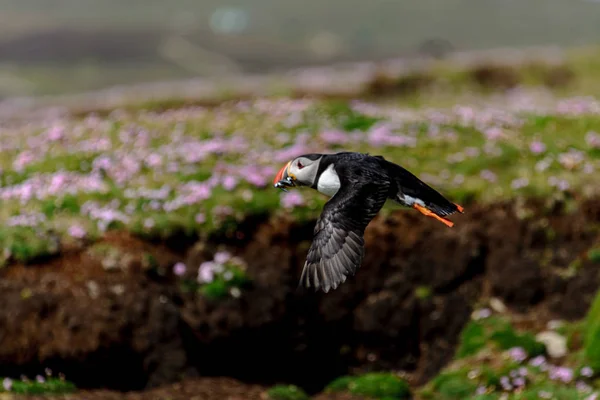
pixel 429 213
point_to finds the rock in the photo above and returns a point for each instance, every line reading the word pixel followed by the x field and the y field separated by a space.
pixel 497 305
pixel 556 344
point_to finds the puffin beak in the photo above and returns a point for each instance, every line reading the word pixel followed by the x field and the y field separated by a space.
pixel 282 174
pixel 282 179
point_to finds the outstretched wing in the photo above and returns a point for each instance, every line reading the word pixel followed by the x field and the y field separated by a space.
pixel 337 249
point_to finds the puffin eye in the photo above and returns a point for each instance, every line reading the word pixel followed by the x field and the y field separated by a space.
pixel 300 166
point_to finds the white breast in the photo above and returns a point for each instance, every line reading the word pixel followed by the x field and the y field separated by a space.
pixel 329 182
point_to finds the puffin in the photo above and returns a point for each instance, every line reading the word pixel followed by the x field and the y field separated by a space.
pixel 358 185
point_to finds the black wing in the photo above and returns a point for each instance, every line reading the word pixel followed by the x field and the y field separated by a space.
pixel 337 249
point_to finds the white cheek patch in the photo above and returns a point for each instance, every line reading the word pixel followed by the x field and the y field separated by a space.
pixel 329 182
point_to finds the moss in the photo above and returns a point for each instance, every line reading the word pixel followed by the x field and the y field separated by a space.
pixel 472 339
pixel 477 334
pixel 507 338
pixel 592 334
pixel 286 392
pixel 48 386
pixel 594 255
pixel 453 385
pixel 423 292
pixel 378 385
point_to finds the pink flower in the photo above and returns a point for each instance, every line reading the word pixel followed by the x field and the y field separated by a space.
pixel 77 231
pixel 517 354
pixel 206 272
pixel 229 182
pixel 537 147
pixel 561 373
pixel 488 175
pixel 493 133
pixel 292 199
pixel 334 137
pixel 200 218
pixel 179 268
pixel 519 183
pixel 222 257
pixel 593 140
pixel 7 384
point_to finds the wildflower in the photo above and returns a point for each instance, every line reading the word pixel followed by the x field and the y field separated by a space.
pixel 537 147
pixel 561 373
pixel 593 140
pixel 334 137
pixel 206 272
pixel 77 231
pixel 482 314
pixel 481 390
pixel 586 371
pixel 582 386
pixel 505 383
pixel 488 175
pixel 222 257
pixel 571 159
pixel 518 354
pixel 292 199
pixel 40 379
pixel 179 268
pixel 519 183
pixel 544 395
pixel 7 384
pixel 519 381
pixel 230 182
pixel 493 133
pixel 200 218
pixel 537 361
pixel 235 292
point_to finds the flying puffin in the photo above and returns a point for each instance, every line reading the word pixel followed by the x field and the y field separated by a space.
pixel 358 186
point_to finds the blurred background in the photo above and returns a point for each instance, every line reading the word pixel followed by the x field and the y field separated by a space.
pixel 64 46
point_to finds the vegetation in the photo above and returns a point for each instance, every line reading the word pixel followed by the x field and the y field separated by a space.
pixel 286 392
pixel 377 385
pixel 40 385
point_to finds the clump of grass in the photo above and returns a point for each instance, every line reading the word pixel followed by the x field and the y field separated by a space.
pixel 477 334
pixel 286 392
pixel 27 244
pixel 594 255
pixel 592 334
pixel 377 385
pixel 40 385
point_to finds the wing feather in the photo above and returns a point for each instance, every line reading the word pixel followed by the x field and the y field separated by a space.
pixel 337 249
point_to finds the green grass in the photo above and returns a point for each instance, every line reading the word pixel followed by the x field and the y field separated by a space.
pixel 592 335
pixel 49 385
pixel 476 335
pixel 286 392
pixel 376 385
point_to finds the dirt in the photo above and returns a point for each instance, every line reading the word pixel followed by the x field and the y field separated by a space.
pixel 132 328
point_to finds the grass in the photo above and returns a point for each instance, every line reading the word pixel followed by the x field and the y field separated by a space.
pixel 376 385
pixel 478 334
pixel 40 385
pixel 286 392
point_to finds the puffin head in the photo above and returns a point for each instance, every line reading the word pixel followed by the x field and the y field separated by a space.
pixel 301 171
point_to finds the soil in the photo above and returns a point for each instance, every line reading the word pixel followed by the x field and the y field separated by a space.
pixel 128 329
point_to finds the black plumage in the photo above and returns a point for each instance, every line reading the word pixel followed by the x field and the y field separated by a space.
pixel 365 183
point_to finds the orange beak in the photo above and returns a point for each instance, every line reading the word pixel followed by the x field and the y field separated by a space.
pixel 282 173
